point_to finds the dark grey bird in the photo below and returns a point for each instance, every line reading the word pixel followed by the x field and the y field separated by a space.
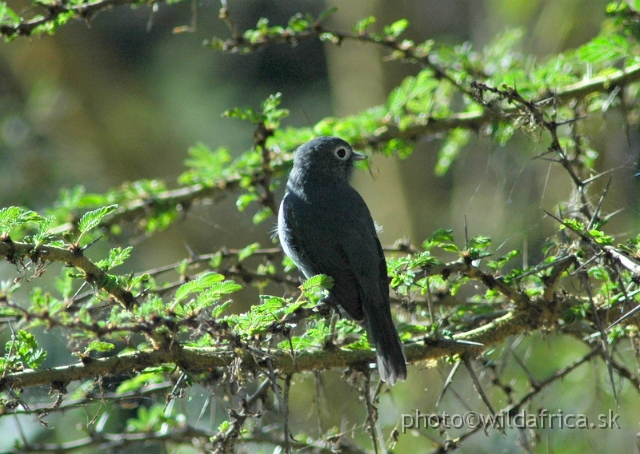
pixel 325 227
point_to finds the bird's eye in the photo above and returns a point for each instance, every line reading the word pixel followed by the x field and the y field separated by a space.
pixel 341 153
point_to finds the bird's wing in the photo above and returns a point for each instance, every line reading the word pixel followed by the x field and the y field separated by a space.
pixel 341 242
pixel 317 236
pixel 362 248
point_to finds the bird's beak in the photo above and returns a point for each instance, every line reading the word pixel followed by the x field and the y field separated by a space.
pixel 359 156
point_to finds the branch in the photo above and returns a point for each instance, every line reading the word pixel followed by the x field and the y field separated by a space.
pixel 106 442
pixel 475 273
pixel 192 358
pixel 182 197
pixel 474 121
pixel 16 251
pixel 514 408
pixel 56 10
pixel 404 49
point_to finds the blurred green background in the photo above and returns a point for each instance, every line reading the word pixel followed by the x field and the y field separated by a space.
pixel 122 98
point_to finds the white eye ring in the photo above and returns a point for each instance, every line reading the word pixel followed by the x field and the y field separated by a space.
pixel 342 153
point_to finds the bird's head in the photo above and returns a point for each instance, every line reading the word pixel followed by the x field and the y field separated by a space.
pixel 324 160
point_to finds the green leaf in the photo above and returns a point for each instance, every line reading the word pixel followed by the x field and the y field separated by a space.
pixel 480 242
pixel 615 334
pixel 273 115
pixel 23 350
pixel 317 283
pixel 42 235
pixel 244 114
pixel 8 16
pixel 501 261
pixel 573 224
pixel 243 200
pixel 424 259
pixel 604 48
pixel 260 317
pixel 149 376
pixel 247 251
pixel 312 337
pixel 92 219
pixel 11 217
pixel 70 197
pixel 600 238
pixel 288 264
pixel 200 284
pixel 326 13
pixel 402 281
pixel 117 256
pixel 205 166
pixel 291 307
pixel 99 346
pixel 206 297
pixel 456 140
pixel 223 288
pixel 439 237
pixel 298 24
pixel 449 247
pixel 224 426
pixel 216 260
pixel 396 29
pixel 503 132
pixel 360 27
pixel 64 284
pixel 220 308
pixel 262 215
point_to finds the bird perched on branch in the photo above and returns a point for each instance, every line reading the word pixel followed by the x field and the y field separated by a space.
pixel 325 227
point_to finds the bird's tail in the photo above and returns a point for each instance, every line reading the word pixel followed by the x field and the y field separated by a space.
pixel 392 364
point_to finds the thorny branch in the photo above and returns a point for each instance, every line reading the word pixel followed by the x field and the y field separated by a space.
pixel 536 388
pixel 15 252
pixel 53 11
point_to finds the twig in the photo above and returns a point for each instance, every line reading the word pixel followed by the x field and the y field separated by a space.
pixel 16 251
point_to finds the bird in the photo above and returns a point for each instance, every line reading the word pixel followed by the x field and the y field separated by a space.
pixel 325 227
